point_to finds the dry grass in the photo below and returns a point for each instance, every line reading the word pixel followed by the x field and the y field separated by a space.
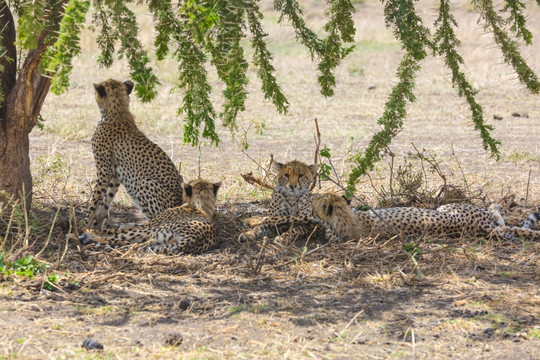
pixel 459 298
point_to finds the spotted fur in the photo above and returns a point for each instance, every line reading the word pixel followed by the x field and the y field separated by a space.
pixel 185 229
pixel 335 215
pixel 290 206
pixel 124 155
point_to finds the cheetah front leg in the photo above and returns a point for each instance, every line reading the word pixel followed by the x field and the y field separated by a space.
pixel 295 231
pixel 265 224
pixel 102 198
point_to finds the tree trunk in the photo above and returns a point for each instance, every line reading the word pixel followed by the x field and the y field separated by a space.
pixel 24 94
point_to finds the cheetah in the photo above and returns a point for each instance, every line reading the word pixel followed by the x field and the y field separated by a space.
pixel 124 155
pixel 334 214
pixel 184 229
pixel 290 203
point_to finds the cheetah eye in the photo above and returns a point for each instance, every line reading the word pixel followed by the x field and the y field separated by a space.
pixel 300 176
pixel 286 175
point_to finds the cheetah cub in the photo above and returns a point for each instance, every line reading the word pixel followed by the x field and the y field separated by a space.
pixel 290 206
pixel 185 229
pixel 334 214
pixel 124 155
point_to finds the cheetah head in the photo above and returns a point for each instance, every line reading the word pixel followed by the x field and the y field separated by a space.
pixel 334 211
pixel 202 194
pixel 294 177
pixel 113 95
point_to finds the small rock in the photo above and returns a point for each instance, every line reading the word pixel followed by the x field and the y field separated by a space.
pixel 91 344
pixel 174 339
pixel 497 117
pixel 516 114
pixel 372 87
pixel 184 304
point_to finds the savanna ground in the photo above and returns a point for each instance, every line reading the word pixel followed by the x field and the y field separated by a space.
pixel 458 298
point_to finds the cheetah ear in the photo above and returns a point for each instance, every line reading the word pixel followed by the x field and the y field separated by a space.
pixel 329 210
pixel 313 169
pixel 100 89
pixel 129 86
pixel 278 166
pixel 188 190
pixel 346 199
pixel 216 187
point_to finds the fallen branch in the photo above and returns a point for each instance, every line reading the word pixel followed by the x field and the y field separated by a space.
pixel 251 179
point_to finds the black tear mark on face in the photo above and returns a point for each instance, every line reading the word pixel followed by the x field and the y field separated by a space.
pixel 100 89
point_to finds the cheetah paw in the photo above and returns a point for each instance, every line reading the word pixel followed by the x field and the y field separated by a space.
pixel 247 236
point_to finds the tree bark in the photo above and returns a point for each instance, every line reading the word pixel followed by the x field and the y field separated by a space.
pixel 24 94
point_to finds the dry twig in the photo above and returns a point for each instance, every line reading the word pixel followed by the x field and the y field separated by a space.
pixel 251 179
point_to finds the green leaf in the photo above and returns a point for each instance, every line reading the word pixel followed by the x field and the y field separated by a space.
pixel 57 59
pixel 509 47
pixel 31 23
pixel 262 59
pixel 446 44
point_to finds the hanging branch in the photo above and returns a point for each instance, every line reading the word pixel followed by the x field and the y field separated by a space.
pixel 414 38
pixel 517 20
pixel 262 59
pixel 330 51
pixel 164 24
pixel 509 47
pixel 196 103
pixel 228 59
pixel 57 59
pixel 391 121
pixel 446 41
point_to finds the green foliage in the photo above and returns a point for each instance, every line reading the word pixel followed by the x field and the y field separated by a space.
pixel 31 23
pixel 27 267
pixel 118 22
pixel 196 103
pixel 416 39
pixel 391 120
pixel 340 28
pixel 57 59
pixel 51 280
pixel 330 51
pixel 447 43
pixel 408 28
pixel 509 47
pixel 262 59
pixel 164 24
pixel 411 248
pixel 202 32
pixel 228 57
pixel 517 20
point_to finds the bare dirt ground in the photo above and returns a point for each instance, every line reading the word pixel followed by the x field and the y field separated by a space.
pixel 362 299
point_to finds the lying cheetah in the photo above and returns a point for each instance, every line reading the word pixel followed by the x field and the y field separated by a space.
pixel 124 155
pixel 333 212
pixel 185 229
pixel 290 201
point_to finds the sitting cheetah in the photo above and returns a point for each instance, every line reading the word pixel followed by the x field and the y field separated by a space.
pixel 124 155
pixel 290 203
pixel 333 212
pixel 185 229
